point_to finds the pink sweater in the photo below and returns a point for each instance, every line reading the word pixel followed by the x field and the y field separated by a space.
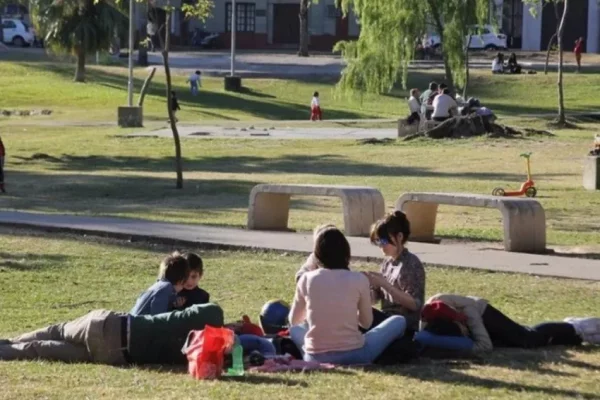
pixel 333 303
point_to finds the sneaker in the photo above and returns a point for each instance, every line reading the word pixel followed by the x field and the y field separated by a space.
pixel 587 328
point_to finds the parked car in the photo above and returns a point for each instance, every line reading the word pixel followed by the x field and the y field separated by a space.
pixel 205 40
pixel 482 37
pixel 17 32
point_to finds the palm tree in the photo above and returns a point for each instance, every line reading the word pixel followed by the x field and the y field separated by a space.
pixel 79 27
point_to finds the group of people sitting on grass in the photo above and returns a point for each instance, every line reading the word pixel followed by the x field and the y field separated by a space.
pixel 331 319
pixel 511 67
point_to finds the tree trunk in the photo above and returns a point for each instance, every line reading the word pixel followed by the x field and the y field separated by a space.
pixel 1 33
pixel 437 20
pixel 548 53
pixel 303 50
pixel 464 94
pixel 561 120
pixel 172 121
pixel 80 68
pixel 146 86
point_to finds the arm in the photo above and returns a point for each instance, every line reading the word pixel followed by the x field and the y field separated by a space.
pixel 162 301
pixel 298 310
pixel 480 335
pixel 365 313
pixel 401 297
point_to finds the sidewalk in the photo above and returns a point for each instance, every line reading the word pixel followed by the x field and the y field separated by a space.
pixel 450 255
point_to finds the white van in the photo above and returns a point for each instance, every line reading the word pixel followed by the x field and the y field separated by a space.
pixel 17 32
pixel 482 37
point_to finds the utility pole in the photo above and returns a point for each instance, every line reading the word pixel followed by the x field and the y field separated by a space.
pixel 130 57
pixel 233 29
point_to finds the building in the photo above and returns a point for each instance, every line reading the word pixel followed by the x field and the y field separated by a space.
pixel 533 31
pixel 275 24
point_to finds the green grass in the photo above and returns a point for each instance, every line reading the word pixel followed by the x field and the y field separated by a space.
pixel 34 81
pixel 98 171
pixel 95 171
pixel 46 280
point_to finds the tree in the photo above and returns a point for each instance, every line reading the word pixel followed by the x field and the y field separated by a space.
pixel 390 31
pixel 303 15
pixel 536 5
pixel 201 9
pixel 79 27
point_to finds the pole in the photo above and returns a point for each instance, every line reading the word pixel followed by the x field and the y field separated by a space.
pixel 130 58
pixel 233 29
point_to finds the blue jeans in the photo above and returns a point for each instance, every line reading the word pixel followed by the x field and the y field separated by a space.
pixel 194 88
pixel 252 343
pixel 376 341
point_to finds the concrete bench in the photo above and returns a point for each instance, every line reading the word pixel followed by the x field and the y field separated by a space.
pixel 270 205
pixel 524 219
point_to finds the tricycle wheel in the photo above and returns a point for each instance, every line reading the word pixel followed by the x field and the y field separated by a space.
pixel 498 192
pixel 531 192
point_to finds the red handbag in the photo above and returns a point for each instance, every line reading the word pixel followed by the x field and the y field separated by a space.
pixel 205 351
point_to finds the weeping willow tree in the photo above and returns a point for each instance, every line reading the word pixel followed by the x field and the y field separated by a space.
pixel 390 31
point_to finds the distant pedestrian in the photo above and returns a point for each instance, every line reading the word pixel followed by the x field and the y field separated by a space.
pixel 315 108
pixel 578 50
pixel 174 105
pixel 195 82
pixel 2 156
pixel 151 30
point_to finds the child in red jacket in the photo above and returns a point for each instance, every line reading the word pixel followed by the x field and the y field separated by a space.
pixel 315 108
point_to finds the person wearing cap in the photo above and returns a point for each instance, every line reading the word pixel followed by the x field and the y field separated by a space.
pixel 488 327
pixel 113 338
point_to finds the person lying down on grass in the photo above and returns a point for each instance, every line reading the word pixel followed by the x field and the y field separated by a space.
pixel 471 324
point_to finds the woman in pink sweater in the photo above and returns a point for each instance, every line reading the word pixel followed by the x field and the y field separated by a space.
pixel 330 303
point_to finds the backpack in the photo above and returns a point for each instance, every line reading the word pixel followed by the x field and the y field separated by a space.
pixel 205 351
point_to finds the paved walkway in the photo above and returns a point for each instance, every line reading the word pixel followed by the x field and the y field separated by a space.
pixel 455 255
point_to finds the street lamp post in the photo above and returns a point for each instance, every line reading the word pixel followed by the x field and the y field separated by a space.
pixel 233 29
pixel 130 57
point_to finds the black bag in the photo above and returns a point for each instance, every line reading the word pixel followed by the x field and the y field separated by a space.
pixel 285 345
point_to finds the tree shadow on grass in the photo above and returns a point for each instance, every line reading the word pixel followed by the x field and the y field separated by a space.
pixel 257 104
pixel 24 261
pixel 451 373
pixel 323 164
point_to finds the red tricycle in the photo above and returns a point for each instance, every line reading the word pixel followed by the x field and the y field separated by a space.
pixel 527 188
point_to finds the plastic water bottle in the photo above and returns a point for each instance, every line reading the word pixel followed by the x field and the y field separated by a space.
pixel 237 361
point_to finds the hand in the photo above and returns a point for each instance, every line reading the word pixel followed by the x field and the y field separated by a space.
pixel 179 302
pixel 376 279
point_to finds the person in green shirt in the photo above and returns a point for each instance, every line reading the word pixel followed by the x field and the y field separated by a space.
pixel 109 337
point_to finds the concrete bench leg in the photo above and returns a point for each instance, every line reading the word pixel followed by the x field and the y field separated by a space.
pixel 269 211
pixel 524 229
pixel 422 220
pixel 361 211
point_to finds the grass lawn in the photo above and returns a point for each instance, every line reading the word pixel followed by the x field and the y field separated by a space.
pixel 32 81
pixel 46 280
pixel 95 171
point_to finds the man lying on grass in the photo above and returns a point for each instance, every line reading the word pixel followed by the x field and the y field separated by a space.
pixel 108 337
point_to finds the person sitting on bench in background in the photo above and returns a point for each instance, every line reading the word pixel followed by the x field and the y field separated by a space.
pixel 414 106
pixel 444 106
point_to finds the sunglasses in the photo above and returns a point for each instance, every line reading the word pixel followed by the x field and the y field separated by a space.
pixel 381 242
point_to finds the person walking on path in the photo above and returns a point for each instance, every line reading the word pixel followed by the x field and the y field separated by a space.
pixel 315 108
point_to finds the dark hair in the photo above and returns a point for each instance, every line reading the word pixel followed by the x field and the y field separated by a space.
pixel 332 249
pixel 433 86
pixel 173 94
pixel 391 225
pixel 316 94
pixel 195 262
pixel 443 86
pixel 175 269
pixel 198 72
pixel 446 91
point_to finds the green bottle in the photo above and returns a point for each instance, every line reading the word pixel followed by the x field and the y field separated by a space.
pixel 237 360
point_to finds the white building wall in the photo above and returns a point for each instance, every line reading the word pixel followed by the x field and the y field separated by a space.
pixel 593 35
pixel 532 28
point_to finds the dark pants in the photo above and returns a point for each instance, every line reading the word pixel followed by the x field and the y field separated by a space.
pixel 412 118
pixel 2 174
pixel 440 119
pixel 505 332
pixel 399 351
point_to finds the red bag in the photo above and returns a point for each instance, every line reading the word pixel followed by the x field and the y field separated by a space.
pixel 205 351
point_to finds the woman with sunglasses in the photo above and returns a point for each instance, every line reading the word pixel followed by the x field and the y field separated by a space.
pixel 400 286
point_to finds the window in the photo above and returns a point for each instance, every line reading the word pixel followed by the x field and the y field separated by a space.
pixel 8 25
pixel 333 12
pixel 245 15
